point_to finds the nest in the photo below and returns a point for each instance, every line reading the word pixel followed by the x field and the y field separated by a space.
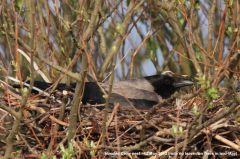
pixel 45 126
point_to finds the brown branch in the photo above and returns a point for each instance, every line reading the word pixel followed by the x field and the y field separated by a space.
pixel 80 84
pixel 108 101
pixel 118 40
pixel 183 40
pixel 30 5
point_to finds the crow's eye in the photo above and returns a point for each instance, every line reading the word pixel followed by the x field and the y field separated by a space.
pixel 167 81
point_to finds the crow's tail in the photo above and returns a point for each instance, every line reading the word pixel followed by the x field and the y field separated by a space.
pixel 43 85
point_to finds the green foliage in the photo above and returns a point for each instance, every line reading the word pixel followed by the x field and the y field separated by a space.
pixel 229 31
pixel 18 6
pixel 210 104
pixel 195 110
pixel 179 2
pixel 198 56
pixel 5 26
pixel 153 54
pixel 197 6
pixel 69 152
pixel 91 145
pixel 15 65
pixel 174 130
pixel 152 46
pixel 29 77
pixel 62 49
pixel 197 52
pixel 114 48
pixel 65 27
pixel 24 90
pixel 230 3
pixel 209 92
pixel 46 157
pixel 181 20
pixel 119 27
pixel 202 80
pixel 43 156
pixel 212 92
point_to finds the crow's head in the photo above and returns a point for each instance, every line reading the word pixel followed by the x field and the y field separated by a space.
pixel 165 85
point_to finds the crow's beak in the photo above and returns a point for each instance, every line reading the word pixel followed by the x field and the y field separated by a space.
pixel 183 82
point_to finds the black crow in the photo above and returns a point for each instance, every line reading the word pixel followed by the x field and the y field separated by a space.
pixel 143 93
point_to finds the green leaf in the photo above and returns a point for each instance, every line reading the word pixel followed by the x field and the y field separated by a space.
pixel 62 49
pixel 210 104
pixel 92 145
pixel 195 110
pixel 208 84
pixel 204 78
pixel 212 92
pixel 19 3
pixel 118 26
pixel 65 27
pixel 62 148
pixel 14 64
pixel 181 20
pixel 214 96
pixel 174 127
pixel 24 90
pixel 114 48
pixel 43 156
pixel 92 153
pixel 198 55
pixel 204 86
pixel 180 129
pixel 194 46
pixel 228 32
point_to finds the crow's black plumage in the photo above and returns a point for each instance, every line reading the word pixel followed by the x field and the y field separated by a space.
pixel 143 93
